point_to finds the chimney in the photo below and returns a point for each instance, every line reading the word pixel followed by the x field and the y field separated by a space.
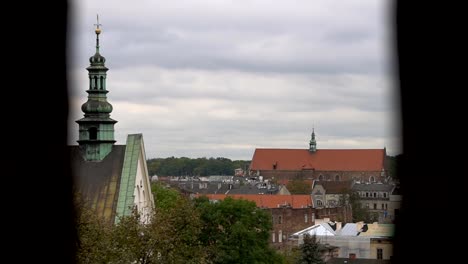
pixel 338 226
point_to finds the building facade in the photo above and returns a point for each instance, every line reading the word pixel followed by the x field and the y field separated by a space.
pixel 320 164
pixel 379 199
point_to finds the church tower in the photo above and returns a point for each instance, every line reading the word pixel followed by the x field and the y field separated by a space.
pixel 312 143
pixel 96 129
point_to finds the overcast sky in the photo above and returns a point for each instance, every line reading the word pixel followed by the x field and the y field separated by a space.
pixel 219 78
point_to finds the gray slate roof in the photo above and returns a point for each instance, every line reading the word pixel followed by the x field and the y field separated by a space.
pixel 379 187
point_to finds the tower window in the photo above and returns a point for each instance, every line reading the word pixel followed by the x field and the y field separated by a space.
pixel 320 177
pixel 102 83
pixel 92 133
pixel 95 82
pixel 337 178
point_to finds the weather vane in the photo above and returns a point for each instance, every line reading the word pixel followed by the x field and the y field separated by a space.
pixel 97 19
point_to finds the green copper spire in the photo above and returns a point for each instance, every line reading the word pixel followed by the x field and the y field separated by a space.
pixel 96 129
pixel 312 143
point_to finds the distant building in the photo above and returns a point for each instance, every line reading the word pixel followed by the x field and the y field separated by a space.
pixel 379 199
pixel 113 179
pixel 239 172
pixel 330 193
pixel 354 240
pixel 220 184
pixel 320 164
pixel 357 261
pixel 289 213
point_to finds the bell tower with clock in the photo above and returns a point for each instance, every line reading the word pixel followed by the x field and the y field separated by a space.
pixel 96 128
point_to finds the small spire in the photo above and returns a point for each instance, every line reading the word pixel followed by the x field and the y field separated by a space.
pixel 313 143
pixel 98 31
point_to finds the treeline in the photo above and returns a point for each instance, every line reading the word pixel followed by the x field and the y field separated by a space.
pixel 195 167
pixel 394 165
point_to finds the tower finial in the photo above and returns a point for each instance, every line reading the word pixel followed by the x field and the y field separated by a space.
pixel 98 31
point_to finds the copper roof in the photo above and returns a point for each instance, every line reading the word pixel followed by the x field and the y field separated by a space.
pixel 99 182
pixel 322 159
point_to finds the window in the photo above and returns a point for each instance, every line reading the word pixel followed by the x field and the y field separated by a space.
pixel 383 206
pixel 319 203
pixel 274 166
pixel 280 220
pixel 367 205
pixel 367 194
pixel 375 206
pixel 102 83
pixel 280 236
pixel 385 195
pixel 95 82
pixel 379 253
pixel 92 133
pixel 375 195
pixel 312 218
pixel 352 255
pixel 337 178
pixel 305 218
pixel 320 177
pixel 273 235
pixel 386 206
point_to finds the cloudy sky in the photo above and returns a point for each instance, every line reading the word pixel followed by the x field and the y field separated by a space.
pixel 219 78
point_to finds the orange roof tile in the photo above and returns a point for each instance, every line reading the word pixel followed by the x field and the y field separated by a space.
pixel 268 201
pixel 322 159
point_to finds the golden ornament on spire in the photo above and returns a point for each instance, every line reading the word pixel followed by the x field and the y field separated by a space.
pixel 98 30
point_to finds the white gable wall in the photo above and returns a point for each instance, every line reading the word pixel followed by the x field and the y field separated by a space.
pixel 143 196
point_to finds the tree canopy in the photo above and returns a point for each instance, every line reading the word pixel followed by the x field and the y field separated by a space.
pixel 194 167
pixel 180 231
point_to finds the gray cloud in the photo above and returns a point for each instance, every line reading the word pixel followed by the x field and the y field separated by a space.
pixel 220 78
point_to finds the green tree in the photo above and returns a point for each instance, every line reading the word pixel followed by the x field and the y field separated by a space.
pixel 194 167
pixel 393 165
pixel 310 251
pixel 172 236
pixel 164 197
pixel 360 213
pixel 236 231
pixel 93 245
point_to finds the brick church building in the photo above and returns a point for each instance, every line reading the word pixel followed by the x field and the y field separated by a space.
pixel 365 165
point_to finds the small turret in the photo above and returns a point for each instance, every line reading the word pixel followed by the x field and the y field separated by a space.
pixel 312 143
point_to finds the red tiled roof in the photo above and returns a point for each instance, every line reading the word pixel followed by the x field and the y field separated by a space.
pixel 268 201
pixel 322 159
